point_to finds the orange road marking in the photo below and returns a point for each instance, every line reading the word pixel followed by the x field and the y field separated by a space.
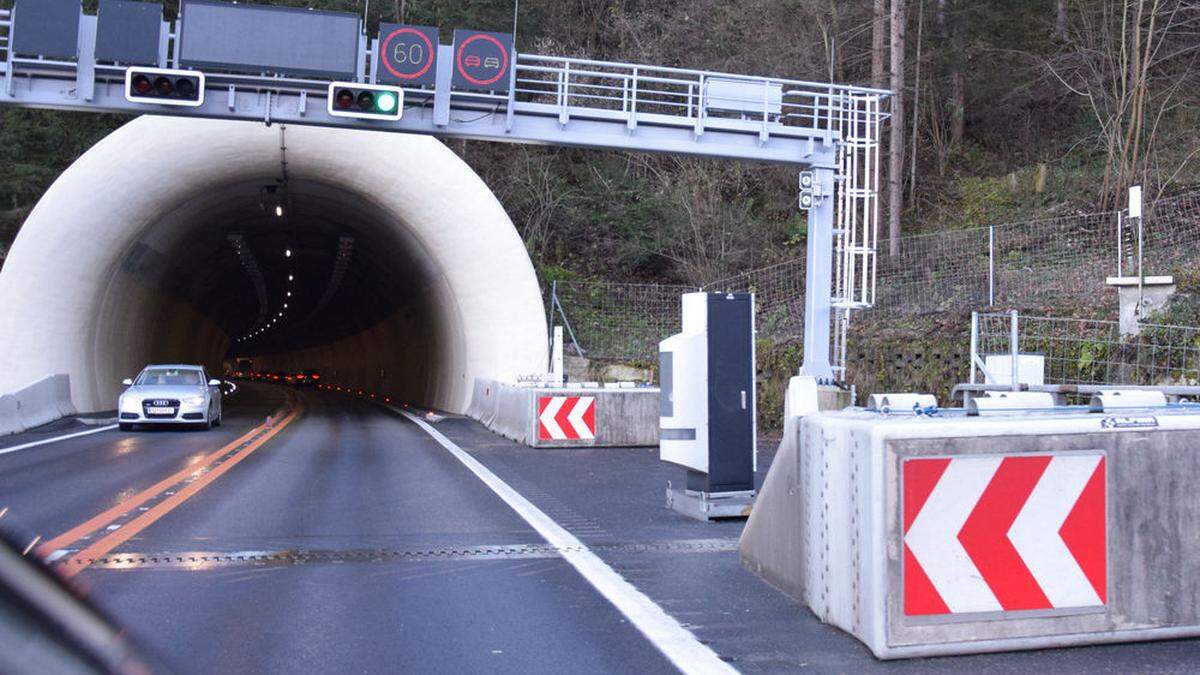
pixel 106 544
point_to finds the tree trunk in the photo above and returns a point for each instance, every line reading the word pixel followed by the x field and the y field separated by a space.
pixel 958 98
pixel 916 107
pixel 896 164
pixel 1060 23
pixel 878 27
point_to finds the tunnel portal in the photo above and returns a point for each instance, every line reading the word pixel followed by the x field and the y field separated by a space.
pixel 381 260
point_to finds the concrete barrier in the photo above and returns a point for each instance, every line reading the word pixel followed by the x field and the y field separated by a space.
pixel 42 402
pixel 567 417
pixel 951 535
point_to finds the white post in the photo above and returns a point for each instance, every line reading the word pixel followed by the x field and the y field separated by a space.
pixel 991 265
pixel 974 343
pixel 556 360
pixel 1014 349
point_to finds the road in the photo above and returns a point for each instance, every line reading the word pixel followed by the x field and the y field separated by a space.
pixel 347 539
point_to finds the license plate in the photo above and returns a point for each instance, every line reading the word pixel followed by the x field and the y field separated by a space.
pixel 160 411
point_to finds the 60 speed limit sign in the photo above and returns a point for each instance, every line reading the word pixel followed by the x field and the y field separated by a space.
pixel 407 54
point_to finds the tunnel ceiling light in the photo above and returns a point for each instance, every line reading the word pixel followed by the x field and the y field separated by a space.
pixel 279 210
pixel 287 253
pixel 291 278
pixel 289 294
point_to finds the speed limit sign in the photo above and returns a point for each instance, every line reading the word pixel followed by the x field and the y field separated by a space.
pixel 407 54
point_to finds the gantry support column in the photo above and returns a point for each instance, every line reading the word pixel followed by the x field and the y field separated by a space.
pixel 818 286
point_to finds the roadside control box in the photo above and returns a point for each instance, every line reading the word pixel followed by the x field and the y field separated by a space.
pixel 707 420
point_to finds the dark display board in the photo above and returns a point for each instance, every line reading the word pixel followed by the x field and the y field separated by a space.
pixel 482 60
pixel 407 54
pixel 48 28
pixel 128 32
pixel 260 39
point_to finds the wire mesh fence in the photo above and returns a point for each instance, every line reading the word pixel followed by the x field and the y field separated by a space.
pixel 1085 351
pixel 1038 263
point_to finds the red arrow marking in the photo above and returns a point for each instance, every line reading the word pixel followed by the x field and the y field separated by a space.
pixel 1084 532
pixel 563 413
pixel 985 534
pixel 589 416
pixel 920 477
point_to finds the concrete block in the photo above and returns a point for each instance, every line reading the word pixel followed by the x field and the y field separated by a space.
pixel 1139 300
pixel 624 417
pixel 39 403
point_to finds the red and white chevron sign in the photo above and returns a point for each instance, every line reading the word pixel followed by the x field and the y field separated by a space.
pixel 567 418
pixel 999 534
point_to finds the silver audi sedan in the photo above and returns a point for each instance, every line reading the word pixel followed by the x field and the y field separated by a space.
pixel 170 394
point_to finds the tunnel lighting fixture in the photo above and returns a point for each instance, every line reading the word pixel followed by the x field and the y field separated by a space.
pixel 289 294
pixel 285 305
pixel 291 278
pixel 279 210
pixel 287 253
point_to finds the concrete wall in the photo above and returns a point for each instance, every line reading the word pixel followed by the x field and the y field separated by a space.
pixel 43 401
pixel 624 417
pixel 71 305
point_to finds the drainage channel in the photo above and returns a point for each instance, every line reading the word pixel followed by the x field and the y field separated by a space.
pixel 210 560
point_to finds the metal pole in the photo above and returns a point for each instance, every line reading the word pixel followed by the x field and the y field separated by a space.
pixel 818 287
pixel 1140 271
pixel 991 265
pixel 974 343
pixel 1014 350
pixel 1120 244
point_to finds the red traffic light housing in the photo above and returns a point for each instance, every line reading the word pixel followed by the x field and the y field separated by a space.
pixel 162 86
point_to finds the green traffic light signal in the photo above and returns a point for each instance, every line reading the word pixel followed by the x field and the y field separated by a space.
pixel 385 102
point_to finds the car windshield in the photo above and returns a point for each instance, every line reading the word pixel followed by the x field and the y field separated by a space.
pixel 169 376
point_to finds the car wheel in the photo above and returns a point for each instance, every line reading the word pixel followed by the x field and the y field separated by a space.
pixel 125 427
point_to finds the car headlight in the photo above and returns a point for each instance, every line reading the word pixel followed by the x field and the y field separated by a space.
pixel 195 400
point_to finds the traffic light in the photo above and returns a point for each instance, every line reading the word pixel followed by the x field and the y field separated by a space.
pixel 810 191
pixel 366 101
pixel 161 86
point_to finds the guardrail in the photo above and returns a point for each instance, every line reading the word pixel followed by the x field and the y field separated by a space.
pixel 639 94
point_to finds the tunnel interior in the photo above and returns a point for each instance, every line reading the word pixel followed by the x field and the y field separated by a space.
pixel 283 270
pixel 380 260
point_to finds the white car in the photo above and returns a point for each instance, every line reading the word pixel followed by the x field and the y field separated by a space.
pixel 170 394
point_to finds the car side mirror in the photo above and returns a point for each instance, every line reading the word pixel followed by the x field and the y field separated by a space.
pixel 214 383
pixel 127 382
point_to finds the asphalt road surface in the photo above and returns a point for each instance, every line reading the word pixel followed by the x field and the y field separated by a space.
pixel 344 538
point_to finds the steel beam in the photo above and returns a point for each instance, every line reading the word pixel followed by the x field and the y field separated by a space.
pixel 818 285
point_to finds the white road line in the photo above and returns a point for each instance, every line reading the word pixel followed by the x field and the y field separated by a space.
pixel 5 451
pixel 677 643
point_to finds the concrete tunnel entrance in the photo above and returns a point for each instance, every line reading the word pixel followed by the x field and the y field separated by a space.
pixel 163 244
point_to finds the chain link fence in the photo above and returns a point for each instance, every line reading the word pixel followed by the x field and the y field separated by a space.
pixel 1085 351
pixel 1030 264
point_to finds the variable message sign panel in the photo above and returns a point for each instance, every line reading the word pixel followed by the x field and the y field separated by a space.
pixel 128 32
pixel 259 39
pixel 48 28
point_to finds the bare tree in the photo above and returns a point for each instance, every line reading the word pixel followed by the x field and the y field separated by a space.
pixel 1132 62
pixel 1060 21
pixel 878 29
pixel 899 18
